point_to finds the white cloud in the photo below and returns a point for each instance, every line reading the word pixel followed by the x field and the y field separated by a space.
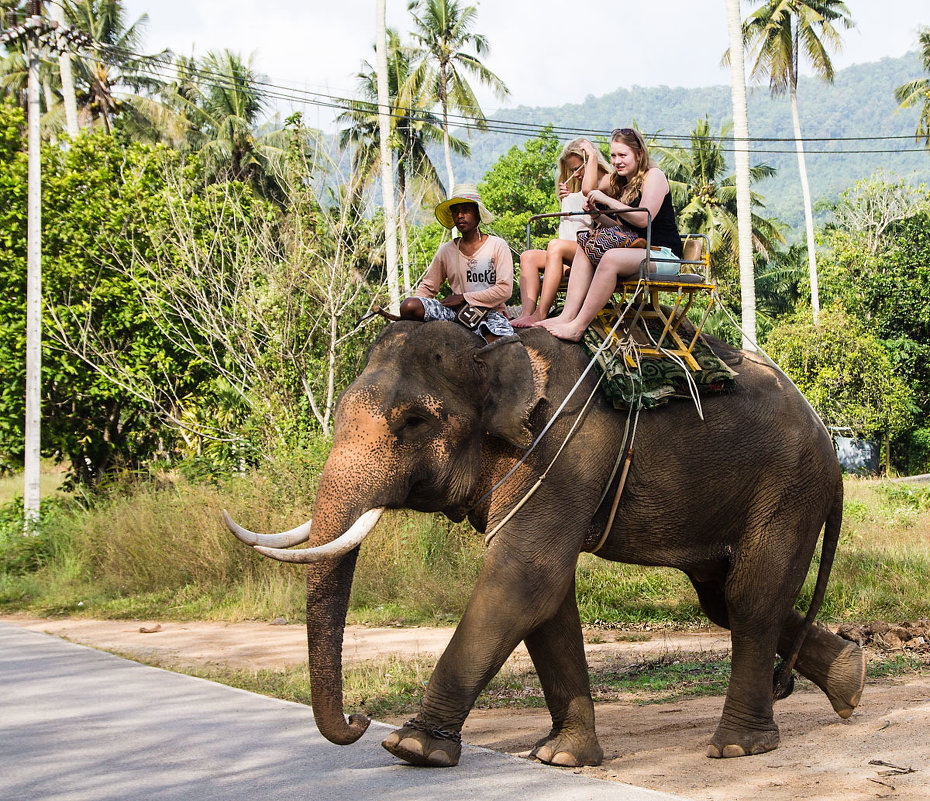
pixel 547 52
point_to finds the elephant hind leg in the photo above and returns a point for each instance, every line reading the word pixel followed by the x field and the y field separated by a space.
pixel 712 599
pixel 835 665
pixel 747 726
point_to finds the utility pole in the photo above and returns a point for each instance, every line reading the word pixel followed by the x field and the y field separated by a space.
pixel 36 30
pixel 387 161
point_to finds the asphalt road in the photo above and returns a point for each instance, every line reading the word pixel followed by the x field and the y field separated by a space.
pixel 82 725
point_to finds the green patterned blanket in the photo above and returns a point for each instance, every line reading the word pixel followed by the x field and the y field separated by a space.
pixel 659 379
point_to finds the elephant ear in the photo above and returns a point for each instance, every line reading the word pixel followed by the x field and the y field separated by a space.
pixel 513 386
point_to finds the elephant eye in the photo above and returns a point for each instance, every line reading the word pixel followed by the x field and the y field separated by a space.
pixel 412 424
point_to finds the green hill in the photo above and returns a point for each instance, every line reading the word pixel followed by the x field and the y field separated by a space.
pixel 860 102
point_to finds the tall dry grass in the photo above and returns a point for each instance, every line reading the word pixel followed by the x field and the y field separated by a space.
pixel 161 551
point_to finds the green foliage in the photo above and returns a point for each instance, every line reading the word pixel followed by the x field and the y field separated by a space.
pixel 181 317
pixel 846 373
pixel 879 266
pixel 95 194
pixel 520 184
pixel 892 291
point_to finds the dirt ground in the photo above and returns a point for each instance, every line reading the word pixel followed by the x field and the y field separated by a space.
pixel 882 751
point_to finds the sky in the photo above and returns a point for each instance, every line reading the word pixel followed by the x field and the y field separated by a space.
pixel 545 54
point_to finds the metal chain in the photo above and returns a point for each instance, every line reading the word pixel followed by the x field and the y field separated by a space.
pixel 433 731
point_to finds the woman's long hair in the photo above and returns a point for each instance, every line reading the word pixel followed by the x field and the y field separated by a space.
pixel 626 190
pixel 574 148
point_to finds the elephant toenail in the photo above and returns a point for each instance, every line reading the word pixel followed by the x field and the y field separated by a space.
pixel 733 751
pixel 412 745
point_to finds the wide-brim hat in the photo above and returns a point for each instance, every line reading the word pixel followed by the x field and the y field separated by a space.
pixel 462 193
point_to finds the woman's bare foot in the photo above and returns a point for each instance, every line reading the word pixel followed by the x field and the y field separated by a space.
pixel 560 319
pixel 570 331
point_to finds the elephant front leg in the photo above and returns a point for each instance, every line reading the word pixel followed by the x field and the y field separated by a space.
pixel 557 650
pixel 511 599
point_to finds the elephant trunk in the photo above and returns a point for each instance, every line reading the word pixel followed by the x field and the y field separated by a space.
pixel 328 587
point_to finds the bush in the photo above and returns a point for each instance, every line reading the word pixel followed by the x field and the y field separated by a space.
pixel 844 371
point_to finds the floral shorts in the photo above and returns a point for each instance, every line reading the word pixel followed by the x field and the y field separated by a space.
pixel 494 322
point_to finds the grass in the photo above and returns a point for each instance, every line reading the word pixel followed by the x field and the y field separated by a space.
pixel 51 477
pixel 159 551
pixel 393 687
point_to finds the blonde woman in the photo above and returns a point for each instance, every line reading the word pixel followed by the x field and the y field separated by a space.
pixel 552 263
pixel 618 250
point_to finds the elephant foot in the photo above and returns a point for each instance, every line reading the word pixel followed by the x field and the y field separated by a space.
pixel 846 680
pixel 422 748
pixel 567 751
pixel 727 743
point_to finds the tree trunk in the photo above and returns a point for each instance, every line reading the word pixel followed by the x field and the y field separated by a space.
pixel 67 79
pixel 741 159
pixel 33 416
pixel 387 167
pixel 808 210
pixel 445 128
pixel 402 224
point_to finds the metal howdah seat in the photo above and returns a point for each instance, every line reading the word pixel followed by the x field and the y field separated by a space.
pixel 657 328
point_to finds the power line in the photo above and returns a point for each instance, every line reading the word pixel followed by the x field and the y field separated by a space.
pixel 157 67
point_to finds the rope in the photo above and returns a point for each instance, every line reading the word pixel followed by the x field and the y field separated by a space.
pixel 552 420
pixel 626 462
pixel 771 362
pixel 529 494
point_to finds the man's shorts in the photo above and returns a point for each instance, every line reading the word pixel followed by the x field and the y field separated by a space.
pixel 494 322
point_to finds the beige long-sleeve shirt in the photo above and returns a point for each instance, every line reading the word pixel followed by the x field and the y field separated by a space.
pixel 485 279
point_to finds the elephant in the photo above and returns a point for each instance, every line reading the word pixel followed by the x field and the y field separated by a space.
pixel 441 421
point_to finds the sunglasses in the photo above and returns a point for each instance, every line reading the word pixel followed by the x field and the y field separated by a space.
pixel 622 132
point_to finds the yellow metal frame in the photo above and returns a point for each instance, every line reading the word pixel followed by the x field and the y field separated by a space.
pixel 643 295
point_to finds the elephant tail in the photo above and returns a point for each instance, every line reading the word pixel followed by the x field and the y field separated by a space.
pixel 784 681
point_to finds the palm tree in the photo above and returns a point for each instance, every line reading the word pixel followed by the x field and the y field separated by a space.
pixel 705 195
pixel 222 98
pixel 743 180
pixel 102 75
pixel 442 28
pixel 917 92
pixel 777 33
pixel 780 285
pixel 413 129
pixel 230 102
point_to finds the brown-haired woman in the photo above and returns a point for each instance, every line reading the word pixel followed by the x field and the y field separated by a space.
pixel 636 184
pixel 537 296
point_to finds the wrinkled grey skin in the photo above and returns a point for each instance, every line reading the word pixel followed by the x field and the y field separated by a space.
pixel 736 501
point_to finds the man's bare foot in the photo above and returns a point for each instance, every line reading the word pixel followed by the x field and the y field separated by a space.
pixel 526 320
pixel 570 332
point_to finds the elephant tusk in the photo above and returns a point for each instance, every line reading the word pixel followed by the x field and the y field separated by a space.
pixel 340 546
pixel 284 540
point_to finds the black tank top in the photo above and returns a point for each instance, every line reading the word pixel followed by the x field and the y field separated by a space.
pixel 664 227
